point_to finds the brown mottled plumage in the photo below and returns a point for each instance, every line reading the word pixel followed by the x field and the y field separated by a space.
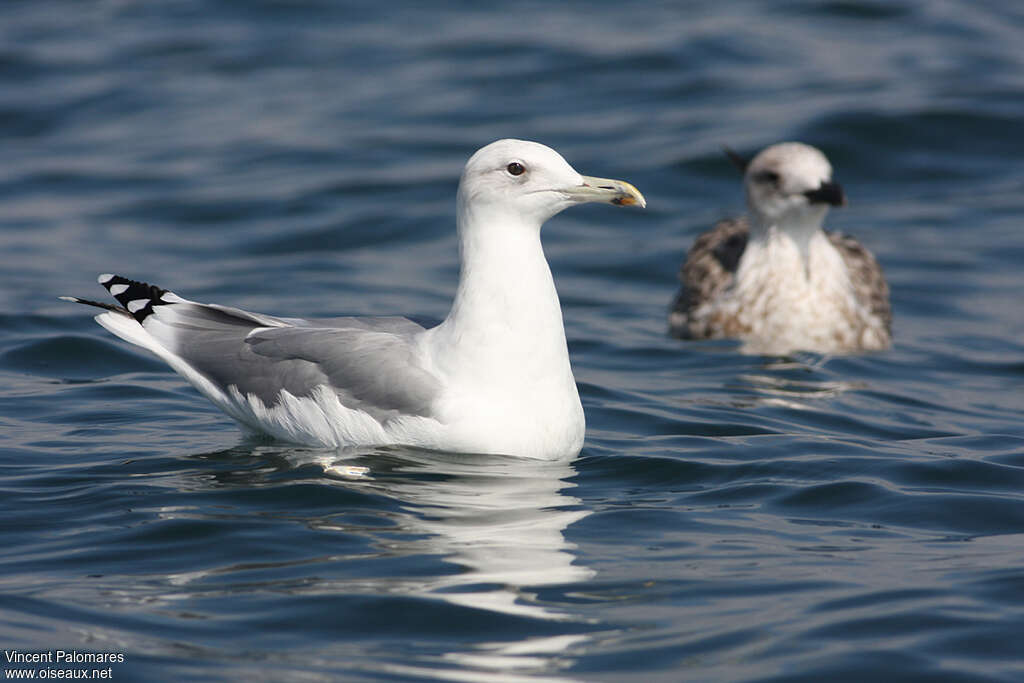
pixel 710 268
pixel 778 281
pixel 705 275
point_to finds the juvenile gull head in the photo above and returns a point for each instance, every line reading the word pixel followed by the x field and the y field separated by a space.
pixel 790 186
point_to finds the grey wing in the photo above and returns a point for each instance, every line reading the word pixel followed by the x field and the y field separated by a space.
pixel 706 274
pixel 371 364
pixel 377 370
pixel 869 285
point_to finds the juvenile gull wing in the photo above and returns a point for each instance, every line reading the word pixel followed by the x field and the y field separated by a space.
pixel 706 274
pixel 869 285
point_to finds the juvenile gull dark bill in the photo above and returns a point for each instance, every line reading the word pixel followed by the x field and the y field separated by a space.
pixel 493 377
pixel 776 280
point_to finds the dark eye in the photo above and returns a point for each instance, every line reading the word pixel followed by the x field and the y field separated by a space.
pixel 515 168
pixel 766 177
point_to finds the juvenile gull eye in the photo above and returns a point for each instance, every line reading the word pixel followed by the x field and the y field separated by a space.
pixel 515 168
pixel 767 177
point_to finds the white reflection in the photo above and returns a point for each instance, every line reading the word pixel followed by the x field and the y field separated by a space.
pixel 524 657
pixel 500 519
pixel 793 393
pixel 794 382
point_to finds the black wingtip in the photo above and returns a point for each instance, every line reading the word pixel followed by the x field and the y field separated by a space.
pixel 137 298
pixel 738 160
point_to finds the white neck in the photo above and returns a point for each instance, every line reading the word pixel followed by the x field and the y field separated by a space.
pixel 509 387
pixel 506 320
pixel 799 227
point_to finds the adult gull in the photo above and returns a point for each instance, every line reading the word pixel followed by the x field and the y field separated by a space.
pixel 493 377
pixel 778 281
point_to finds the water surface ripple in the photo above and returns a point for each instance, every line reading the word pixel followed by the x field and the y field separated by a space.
pixel 730 517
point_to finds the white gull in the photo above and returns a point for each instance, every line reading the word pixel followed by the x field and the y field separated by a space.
pixel 493 377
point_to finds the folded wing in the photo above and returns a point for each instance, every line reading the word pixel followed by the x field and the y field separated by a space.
pixel 372 364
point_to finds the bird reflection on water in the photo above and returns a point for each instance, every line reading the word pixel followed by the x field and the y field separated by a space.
pixel 497 523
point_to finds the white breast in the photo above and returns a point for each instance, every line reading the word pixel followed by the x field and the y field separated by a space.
pixel 786 300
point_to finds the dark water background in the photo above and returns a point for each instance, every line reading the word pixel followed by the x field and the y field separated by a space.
pixel 730 518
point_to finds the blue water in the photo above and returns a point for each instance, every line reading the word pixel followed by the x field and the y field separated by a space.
pixel 731 518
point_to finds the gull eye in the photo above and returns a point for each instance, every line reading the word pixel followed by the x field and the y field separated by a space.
pixel 766 177
pixel 515 168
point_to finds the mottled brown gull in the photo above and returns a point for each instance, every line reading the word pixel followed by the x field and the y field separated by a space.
pixel 777 280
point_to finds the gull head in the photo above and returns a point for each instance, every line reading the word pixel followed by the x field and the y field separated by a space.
pixel 790 184
pixel 529 182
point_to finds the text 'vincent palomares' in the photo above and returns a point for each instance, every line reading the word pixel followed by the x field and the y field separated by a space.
pixel 63 657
